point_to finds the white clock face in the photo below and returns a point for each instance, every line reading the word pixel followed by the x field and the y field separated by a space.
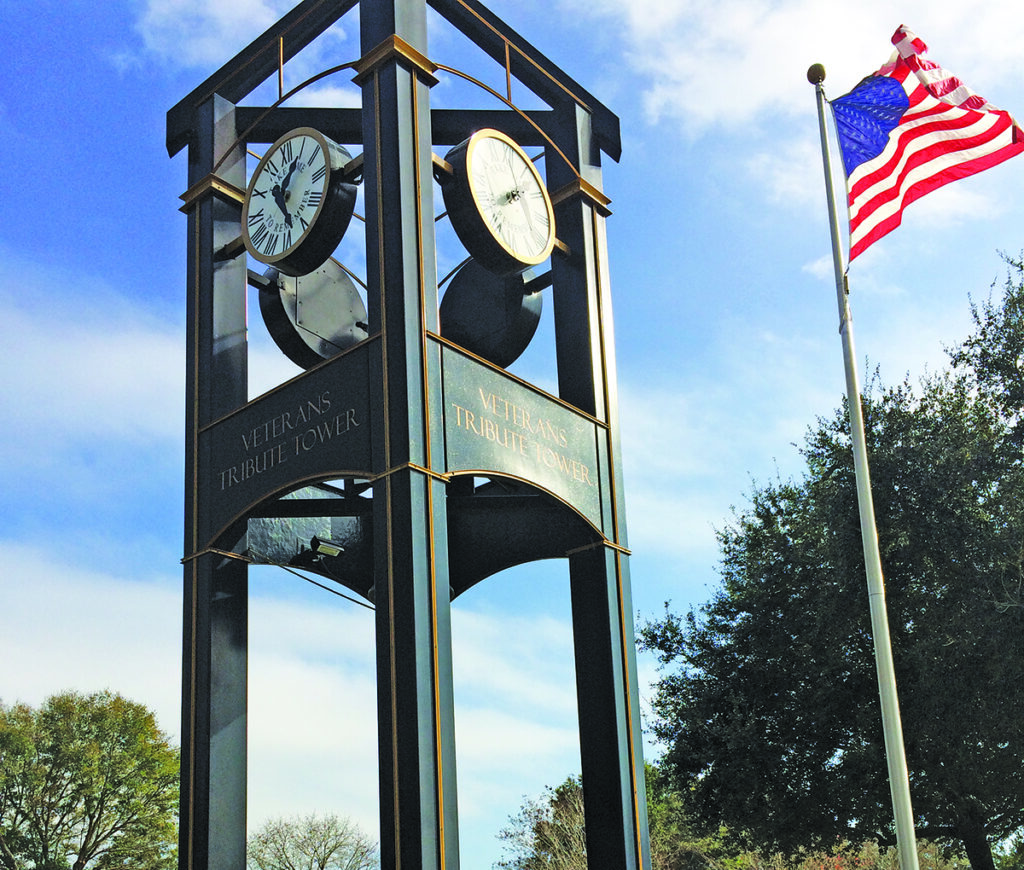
pixel 285 195
pixel 510 196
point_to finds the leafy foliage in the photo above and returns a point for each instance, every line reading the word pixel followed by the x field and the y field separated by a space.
pixel 675 842
pixel 994 354
pixel 548 833
pixel 841 856
pixel 992 360
pixel 1010 855
pixel 313 842
pixel 768 700
pixel 86 781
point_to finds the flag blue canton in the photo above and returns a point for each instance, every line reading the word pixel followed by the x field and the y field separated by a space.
pixel 866 116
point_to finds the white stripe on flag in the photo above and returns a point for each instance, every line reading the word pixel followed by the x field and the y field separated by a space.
pixel 934 167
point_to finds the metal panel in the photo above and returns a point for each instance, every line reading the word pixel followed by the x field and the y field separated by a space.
pixel 607 692
pixel 492 422
pixel 447 126
pixel 315 427
pixel 606 689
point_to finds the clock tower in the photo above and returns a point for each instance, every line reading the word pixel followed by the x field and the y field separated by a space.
pixel 407 458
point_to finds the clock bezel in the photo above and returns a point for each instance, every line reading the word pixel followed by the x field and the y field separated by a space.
pixel 329 222
pixel 471 224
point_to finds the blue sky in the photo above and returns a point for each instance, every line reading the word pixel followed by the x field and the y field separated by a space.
pixel 726 334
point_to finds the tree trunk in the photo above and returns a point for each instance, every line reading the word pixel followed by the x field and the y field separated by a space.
pixel 971 830
pixel 7 858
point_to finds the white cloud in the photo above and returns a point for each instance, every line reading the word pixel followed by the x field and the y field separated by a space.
pixel 268 367
pixel 337 96
pixel 700 63
pixel 79 379
pixel 93 400
pixel 704 64
pixel 312 701
pixel 691 447
pixel 498 659
pixel 515 694
pixel 739 68
pixel 707 64
pixel 673 461
pixel 791 172
pixel 196 33
pixel 199 33
pixel 67 627
pixel 823 267
pixel 312 705
pixel 313 711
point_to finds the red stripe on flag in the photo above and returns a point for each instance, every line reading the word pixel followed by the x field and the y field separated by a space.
pixel 947 132
pixel 928 184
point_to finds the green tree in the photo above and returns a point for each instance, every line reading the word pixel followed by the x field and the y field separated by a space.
pixel 992 359
pixel 675 843
pixel 549 832
pixel 1011 854
pixel 994 354
pixel 314 842
pixel 767 702
pixel 86 781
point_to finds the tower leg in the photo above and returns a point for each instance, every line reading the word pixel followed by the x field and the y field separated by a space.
pixel 418 811
pixel 610 739
pixel 415 711
pixel 213 761
pixel 213 709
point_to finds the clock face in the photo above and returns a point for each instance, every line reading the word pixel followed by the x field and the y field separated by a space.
pixel 285 195
pixel 497 203
pixel 510 196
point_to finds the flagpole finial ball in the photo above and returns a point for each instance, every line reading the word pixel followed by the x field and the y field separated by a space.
pixel 816 74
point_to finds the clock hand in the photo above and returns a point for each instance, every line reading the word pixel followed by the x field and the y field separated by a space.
pixel 281 193
pixel 526 211
pixel 278 195
pixel 288 177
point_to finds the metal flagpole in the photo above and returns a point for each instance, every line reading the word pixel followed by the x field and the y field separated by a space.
pixel 896 760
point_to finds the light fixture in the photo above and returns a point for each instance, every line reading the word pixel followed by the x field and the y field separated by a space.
pixel 326 547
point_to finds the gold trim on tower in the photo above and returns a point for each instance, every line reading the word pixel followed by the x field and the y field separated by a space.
pixel 583 189
pixel 211 184
pixel 395 47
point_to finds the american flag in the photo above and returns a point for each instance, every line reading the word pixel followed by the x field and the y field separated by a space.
pixel 909 129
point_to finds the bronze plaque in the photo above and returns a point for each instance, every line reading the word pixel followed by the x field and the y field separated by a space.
pixel 492 422
pixel 311 428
